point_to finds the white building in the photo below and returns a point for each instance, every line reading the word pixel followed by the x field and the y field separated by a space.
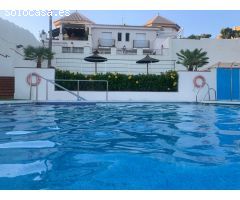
pixel 76 37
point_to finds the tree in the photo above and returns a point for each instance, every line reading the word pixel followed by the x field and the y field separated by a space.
pixel 38 54
pixel 205 35
pixel 198 37
pixel 227 33
pixel 236 34
pixel 192 60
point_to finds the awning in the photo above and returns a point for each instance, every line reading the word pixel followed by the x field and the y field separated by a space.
pixel 56 32
pixel 73 26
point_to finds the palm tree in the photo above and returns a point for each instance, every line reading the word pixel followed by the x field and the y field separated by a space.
pixel 227 33
pixel 39 54
pixel 192 60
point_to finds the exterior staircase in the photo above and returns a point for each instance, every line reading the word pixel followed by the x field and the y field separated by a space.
pixel 6 87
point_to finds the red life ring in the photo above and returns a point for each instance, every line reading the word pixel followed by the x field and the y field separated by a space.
pixel 199 81
pixel 29 79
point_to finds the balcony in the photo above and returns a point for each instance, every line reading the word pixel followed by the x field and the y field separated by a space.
pixel 104 50
pixel 141 44
pixel 73 50
pixel 106 42
pixel 127 51
pixel 74 38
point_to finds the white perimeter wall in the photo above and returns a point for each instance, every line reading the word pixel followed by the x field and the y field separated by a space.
pixel 22 88
pixel 186 91
pixel 125 64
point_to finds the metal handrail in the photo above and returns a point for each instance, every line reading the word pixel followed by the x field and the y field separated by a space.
pixel 53 82
pixel 200 90
pixel 78 81
pixel 208 93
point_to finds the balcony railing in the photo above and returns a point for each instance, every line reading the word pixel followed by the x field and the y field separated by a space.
pixel 124 66
pixel 141 44
pixel 82 38
pixel 106 42
pixel 72 50
pixel 127 51
pixel 104 50
pixel 163 51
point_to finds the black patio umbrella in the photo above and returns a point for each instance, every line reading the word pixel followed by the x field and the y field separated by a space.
pixel 146 60
pixel 95 58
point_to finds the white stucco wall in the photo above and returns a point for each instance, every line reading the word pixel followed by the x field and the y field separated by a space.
pixel 11 36
pixel 22 88
pixel 186 91
pixel 218 50
pixel 116 63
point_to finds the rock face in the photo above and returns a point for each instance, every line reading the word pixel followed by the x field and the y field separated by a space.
pixel 12 35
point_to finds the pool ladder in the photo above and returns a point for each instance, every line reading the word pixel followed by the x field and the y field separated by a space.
pixel 208 94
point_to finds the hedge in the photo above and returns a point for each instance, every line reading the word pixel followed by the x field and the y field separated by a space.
pixel 165 82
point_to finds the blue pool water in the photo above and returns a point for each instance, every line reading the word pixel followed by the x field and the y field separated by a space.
pixel 120 146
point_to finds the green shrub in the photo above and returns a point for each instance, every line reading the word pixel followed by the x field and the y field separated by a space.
pixel 165 82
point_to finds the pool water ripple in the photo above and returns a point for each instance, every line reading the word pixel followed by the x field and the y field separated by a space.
pixel 120 146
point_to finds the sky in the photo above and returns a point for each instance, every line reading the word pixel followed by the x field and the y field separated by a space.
pixel 193 22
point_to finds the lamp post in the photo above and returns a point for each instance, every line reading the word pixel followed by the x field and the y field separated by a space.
pixel 50 39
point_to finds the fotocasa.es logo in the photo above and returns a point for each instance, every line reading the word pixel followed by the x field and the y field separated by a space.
pixel 37 13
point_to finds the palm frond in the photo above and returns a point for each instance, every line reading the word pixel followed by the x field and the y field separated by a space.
pixel 192 59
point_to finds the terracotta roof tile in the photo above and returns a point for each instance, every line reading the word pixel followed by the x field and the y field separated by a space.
pixel 77 17
pixel 161 21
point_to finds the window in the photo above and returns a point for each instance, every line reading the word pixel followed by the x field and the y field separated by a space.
pixel 127 37
pixel 77 49
pixel 107 35
pixel 119 37
pixel 140 36
pixel 66 49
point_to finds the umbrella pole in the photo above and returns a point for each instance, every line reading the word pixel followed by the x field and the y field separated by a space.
pixel 147 68
pixel 95 67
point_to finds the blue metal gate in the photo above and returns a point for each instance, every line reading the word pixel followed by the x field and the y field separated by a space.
pixel 228 84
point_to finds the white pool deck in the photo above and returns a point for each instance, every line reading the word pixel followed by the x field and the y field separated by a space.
pixel 222 102
pixel 4 102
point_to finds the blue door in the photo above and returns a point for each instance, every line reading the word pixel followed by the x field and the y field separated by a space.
pixel 223 84
pixel 235 84
pixel 228 84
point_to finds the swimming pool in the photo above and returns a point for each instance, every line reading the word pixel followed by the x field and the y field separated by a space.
pixel 120 146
